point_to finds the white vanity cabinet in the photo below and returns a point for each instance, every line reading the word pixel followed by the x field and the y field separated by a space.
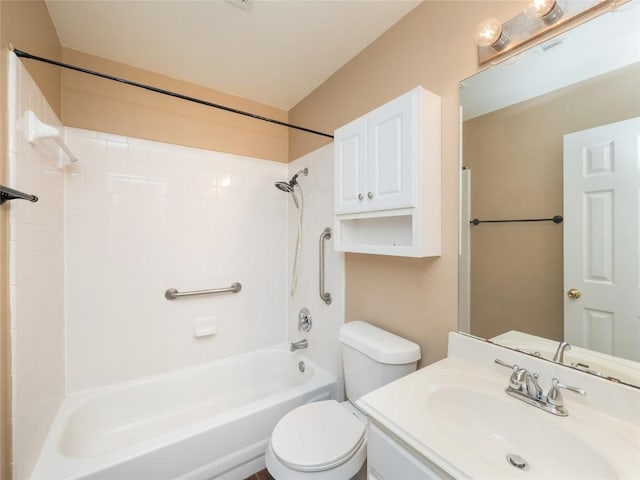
pixel 387 178
pixel 387 459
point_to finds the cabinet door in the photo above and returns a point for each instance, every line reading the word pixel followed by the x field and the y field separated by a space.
pixel 392 146
pixel 388 460
pixel 350 167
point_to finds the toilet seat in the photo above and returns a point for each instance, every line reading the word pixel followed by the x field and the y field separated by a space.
pixel 316 437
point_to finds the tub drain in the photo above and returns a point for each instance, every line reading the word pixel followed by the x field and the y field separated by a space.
pixel 301 366
pixel 517 461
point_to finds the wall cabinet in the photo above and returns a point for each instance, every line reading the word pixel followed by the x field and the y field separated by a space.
pixel 387 179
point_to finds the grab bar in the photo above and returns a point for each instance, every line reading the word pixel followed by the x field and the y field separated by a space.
pixel 172 293
pixel 325 296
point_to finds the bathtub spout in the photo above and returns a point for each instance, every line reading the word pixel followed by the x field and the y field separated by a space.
pixel 304 343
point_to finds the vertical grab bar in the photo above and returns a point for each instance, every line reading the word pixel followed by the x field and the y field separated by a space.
pixel 325 296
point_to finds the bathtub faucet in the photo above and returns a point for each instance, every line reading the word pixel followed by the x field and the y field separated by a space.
pixel 304 343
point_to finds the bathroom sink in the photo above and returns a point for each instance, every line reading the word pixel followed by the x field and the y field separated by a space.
pixel 495 427
pixel 458 417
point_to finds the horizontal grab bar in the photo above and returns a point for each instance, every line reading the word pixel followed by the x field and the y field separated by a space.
pixel 172 293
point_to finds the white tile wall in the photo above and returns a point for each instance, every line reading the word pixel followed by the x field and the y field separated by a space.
pixel 146 216
pixel 36 284
pixel 317 187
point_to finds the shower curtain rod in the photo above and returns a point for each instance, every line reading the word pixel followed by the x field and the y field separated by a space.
pixel 169 93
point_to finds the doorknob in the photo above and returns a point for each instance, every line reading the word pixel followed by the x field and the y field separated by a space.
pixel 574 293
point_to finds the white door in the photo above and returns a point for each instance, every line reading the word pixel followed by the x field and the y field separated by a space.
pixel 602 238
pixel 392 145
pixel 351 167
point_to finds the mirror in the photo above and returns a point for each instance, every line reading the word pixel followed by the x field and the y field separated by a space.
pixel 554 133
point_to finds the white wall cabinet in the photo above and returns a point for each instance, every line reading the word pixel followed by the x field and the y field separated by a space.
pixel 387 179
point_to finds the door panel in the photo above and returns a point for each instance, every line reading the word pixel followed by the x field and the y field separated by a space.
pixel 350 168
pixel 392 146
pixel 602 238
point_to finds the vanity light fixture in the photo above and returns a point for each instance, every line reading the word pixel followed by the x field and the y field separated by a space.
pixel 497 40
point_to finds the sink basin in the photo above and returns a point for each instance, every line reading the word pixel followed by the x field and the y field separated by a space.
pixel 493 428
pixel 457 415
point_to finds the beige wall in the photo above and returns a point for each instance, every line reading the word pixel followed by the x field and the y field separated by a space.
pixel 27 26
pixel 515 156
pixel 107 106
pixel 433 47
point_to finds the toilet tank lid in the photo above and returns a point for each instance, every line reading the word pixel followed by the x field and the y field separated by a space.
pixel 382 346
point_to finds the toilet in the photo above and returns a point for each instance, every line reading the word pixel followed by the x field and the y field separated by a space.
pixel 327 439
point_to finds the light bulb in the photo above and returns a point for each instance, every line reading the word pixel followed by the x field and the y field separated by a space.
pixel 489 34
pixel 546 10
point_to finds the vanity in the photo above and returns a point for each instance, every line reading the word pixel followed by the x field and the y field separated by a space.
pixel 454 420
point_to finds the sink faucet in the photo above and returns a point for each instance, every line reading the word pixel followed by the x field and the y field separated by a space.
pixel 533 389
pixel 523 385
pixel 304 343
pixel 559 355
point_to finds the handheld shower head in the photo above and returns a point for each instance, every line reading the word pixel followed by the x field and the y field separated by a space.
pixel 284 186
pixel 289 187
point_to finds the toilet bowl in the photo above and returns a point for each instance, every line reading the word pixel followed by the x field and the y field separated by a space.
pixel 320 440
pixel 327 439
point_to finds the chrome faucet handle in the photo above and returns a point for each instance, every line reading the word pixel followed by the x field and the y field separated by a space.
pixel 554 397
pixel 533 389
pixel 504 364
pixel 518 374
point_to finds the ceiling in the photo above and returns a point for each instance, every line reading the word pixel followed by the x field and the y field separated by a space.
pixel 276 52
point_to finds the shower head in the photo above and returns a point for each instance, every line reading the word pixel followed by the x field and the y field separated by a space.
pixel 289 186
pixel 284 186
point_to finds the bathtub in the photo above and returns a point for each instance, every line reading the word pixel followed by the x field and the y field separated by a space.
pixel 208 421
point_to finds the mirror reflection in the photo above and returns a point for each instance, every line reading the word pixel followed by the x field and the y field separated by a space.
pixel 554 132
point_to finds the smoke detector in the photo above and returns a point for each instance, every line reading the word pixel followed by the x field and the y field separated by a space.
pixel 243 4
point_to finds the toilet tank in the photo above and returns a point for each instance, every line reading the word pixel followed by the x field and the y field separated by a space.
pixel 373 357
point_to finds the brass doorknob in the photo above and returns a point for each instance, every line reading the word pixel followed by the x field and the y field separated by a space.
pixel 574 293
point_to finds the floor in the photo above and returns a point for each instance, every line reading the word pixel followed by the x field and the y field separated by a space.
pixel 261 475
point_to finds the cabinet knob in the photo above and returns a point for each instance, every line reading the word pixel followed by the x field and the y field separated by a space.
pixel 360 196
pixel 370 195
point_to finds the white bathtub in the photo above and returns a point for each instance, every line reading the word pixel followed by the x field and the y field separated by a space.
pixel 209 421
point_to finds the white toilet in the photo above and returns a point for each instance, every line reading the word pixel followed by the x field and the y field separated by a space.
pixel 326 440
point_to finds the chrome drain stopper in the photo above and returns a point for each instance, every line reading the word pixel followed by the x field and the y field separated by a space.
pixel 517 461
pixel 301 366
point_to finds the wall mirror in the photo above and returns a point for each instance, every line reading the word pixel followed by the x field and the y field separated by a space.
pixel 554 133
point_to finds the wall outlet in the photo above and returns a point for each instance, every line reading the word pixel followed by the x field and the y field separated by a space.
pixel 204 327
